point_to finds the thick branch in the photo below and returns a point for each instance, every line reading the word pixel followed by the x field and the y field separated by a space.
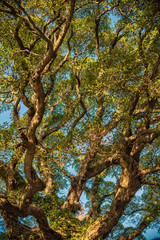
pixel 116 39
pixel 129 12
pixel 96 199
pixel 86 172
pixel 53 75
pixel 15 229
pixel 67 25
pixel 12 12
pixel 14 179
pixel 97 21
pixel 81 102
pixel 150 171
pixel 30 21
pixel 48 233
pixel 127 186
pixel 8 207
pixel 155 69
pixel 140 46
pixel 17 37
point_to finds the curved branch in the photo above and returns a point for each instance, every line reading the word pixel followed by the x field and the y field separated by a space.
pixel 12 12
pixel 97 21
pixel 30 21
pixel 116 39
pixel 48 233
pixel 67 25
pixel 14 179
pixel 155 69
pixel 145 222
pixel 6 100
pixel 150 171
pixel 129 12
pixel 53 75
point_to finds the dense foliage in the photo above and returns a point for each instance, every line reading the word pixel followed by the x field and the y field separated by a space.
pixel 82 161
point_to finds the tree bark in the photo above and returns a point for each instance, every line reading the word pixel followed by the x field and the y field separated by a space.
pixel 128 185
pixel 17 231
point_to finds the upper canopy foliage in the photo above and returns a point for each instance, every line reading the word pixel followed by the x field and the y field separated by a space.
pixel 86 75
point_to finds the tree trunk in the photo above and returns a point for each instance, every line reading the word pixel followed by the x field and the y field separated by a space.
pixel 127 186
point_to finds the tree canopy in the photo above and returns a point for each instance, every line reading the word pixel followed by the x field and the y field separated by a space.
pixel 86 75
